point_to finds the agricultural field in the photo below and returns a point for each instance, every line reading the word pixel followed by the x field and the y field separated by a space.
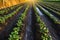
pixel 31 20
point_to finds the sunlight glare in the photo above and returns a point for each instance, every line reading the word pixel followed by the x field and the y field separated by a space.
pixel 31 1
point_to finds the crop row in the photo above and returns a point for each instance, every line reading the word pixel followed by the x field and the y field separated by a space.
pixel 55 20
pixel 52 7
pixel 53 12
pixel 9 9
pixel 5 17
pixel 58 13
pixel 43 29
pixel 53 3
pixel 15 33
pixel 56 5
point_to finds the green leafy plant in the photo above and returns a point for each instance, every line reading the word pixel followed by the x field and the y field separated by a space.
pixel 3 19
pixel 55 20
pixel 14 35
pixel 43 29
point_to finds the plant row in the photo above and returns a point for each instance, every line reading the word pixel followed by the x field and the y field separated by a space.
pixel 7 10
pixel 43 29
pixel 15 33
pixel 52 17
pixel 54 4
pixel 52 7
pixel 5 17
pixel 55 12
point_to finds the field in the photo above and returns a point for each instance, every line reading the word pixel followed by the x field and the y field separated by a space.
pixel 30 21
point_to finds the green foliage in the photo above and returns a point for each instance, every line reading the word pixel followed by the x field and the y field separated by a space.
pixel 14 35
pixel 43 29
pixel 55 20
pixel 3 19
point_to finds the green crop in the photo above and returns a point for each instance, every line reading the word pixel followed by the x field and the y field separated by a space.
pixel 14 35
pixel 43 29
